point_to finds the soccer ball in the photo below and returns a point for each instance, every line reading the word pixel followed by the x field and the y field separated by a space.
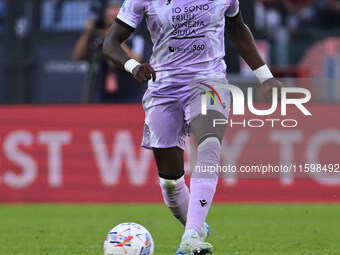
pixel 128 239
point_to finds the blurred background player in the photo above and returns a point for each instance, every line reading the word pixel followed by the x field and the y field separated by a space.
pixel 105 82
pixel 176 89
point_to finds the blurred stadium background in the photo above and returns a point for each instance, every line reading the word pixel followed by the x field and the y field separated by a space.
pixel 71 133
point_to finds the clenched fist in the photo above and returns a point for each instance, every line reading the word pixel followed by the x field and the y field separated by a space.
pixel 268 86
pixel 143 73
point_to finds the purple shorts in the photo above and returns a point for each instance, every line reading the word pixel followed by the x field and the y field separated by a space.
pixel 168 111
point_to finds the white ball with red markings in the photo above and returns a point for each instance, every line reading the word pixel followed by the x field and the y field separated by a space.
pixel 129 239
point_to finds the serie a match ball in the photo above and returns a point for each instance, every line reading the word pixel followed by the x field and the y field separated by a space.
pixel 129 239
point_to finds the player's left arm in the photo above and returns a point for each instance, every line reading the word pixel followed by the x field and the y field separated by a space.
pixel 245 44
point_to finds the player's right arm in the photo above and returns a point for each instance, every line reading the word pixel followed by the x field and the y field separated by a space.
pixel 113 49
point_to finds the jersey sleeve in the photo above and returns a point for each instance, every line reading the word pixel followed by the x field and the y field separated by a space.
pixel 132 12
pixel 233 9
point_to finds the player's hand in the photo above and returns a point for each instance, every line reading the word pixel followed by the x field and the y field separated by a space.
pixel 268 86
pixel 144 72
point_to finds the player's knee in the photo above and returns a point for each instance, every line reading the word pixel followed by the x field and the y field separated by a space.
pixel 209 149
pixel 170 163
pixel 208 159
pixel 203 125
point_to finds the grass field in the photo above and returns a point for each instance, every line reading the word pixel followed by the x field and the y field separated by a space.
pixel 236 229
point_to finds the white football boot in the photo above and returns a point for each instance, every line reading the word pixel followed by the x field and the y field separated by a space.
pixel 205 232
pixel 193 243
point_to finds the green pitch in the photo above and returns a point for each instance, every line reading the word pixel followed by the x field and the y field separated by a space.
pixel 236 229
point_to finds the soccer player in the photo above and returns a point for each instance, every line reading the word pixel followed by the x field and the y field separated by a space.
pixel 187 60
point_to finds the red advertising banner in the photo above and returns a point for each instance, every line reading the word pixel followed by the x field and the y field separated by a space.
pixel 92 153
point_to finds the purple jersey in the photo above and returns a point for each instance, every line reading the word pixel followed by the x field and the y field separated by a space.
pixel 187 36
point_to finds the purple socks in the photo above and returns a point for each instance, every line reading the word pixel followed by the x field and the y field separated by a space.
pixel 192 210
pixel 203 183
